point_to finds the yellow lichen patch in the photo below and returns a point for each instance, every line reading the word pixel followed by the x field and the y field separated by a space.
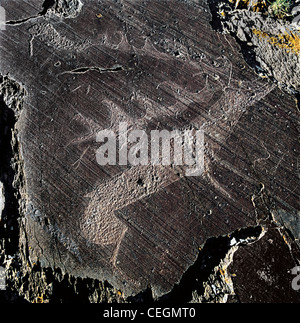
pixel 254 5
pixel 39 300
pixel 241 4
pixel 285 239
pixel 288 41
pixel 222 272
pixel 223 14
pixel 258 6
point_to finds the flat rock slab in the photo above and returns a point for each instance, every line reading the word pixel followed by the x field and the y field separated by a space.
pixel 157 65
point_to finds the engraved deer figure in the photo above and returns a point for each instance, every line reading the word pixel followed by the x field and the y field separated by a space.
pixel 99 224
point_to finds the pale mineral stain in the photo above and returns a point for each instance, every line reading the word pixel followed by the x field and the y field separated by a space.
pixel 2 199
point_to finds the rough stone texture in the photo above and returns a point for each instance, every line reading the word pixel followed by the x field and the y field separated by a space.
pixel 68 73
pixel 271 46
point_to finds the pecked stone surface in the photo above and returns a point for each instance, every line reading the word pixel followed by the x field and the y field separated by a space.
pixel 90 65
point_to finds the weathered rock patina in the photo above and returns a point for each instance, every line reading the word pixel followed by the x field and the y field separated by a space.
pixel 85 66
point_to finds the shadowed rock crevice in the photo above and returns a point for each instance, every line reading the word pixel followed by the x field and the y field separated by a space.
pixel 215 250
pixel 11 100
pixel 9 221
pixel 11 176
pixel 46 6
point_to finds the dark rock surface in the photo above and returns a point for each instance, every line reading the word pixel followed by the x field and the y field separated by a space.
pixel 74 230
